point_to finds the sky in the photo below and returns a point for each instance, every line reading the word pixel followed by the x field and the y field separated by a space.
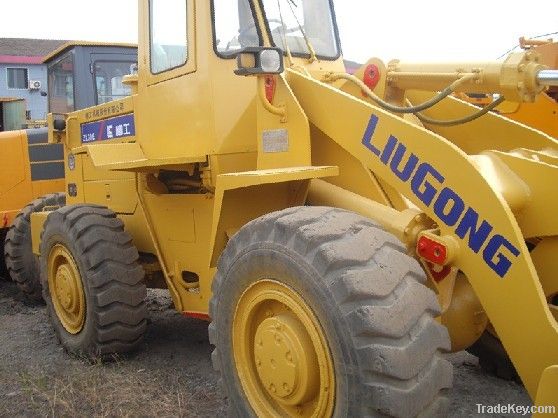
pixel 426 30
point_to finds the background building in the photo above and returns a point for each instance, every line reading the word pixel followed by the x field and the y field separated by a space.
pixel 23 76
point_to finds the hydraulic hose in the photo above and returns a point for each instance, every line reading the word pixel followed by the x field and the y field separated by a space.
pixel 460 121
pixel 331 77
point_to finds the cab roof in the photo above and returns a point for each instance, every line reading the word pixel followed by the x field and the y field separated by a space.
pixel 72 44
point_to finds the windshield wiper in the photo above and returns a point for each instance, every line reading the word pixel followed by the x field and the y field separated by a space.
pixel 312 51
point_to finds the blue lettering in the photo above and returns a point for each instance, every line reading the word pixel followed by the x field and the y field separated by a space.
pixel 477 237
pixel 492 251
pixel 367 138
pixel 448 207
pixel 410 166
pixel 388 150
pixel 427 195
pixel 448 195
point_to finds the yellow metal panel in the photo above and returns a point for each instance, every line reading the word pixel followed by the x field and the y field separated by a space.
pixel 91 172
pixel 182 224
pixel 136 226
pixel 353 175
pixel 76 177
pixel 43 187
pixel 37 221
pixel 282 141
pixel 15 178
pixel 119 195
pixel 490 132
pixel 546 261
pixel 278 175
pixel 541 115
pixel 538 217
pixel 547 395
pixel 130 157
pixel 235 212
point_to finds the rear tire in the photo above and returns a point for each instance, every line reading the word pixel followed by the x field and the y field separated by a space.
pixel 84 248
pixel 370 302
pixel 4 275
pixel 22 264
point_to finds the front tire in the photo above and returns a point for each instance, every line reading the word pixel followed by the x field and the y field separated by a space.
pixel 335 283
pixel 92 283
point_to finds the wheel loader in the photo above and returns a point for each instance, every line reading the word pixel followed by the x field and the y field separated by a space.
pixel 340 232
pixel 80 75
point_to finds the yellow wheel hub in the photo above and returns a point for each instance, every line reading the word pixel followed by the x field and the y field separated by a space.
pixel 281 353
pixel 66 289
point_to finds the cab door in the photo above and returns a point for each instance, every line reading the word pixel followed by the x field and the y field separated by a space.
pixel 172 107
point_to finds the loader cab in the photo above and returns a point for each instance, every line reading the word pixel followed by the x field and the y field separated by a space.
pixel 82 75
pixel 187 80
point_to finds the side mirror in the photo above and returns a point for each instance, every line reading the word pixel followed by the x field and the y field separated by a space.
pixel 259 61
pixel 44 93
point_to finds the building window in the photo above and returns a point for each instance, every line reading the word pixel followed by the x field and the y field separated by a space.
pixel 18 78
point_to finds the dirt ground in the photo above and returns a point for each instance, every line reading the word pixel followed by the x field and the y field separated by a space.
pixel 170 376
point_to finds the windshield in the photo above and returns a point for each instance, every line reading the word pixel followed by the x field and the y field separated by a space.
pixel 290 20
pixel 234 26
pixel 108 80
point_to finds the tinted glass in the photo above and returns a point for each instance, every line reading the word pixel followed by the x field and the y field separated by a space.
pixel 169 34
pixel 108 80
pixel 234 26
pixel 290 20
pixel 61 85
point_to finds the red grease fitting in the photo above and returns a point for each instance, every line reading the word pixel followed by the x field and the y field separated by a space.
pixel 270 85
pixel 432 251
pixel 371 77
pixel 197 315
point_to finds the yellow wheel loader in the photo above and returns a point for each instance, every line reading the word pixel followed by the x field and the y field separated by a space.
pixel 80 75
pixel 340 232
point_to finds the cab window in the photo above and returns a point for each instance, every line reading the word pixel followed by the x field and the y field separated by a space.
pixel 297 23
pixel 169 34
pixel 108 80
pixel 234 27
pixel 61 85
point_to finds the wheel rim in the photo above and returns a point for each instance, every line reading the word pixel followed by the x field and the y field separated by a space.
pixel 66 289
pixel 281 353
